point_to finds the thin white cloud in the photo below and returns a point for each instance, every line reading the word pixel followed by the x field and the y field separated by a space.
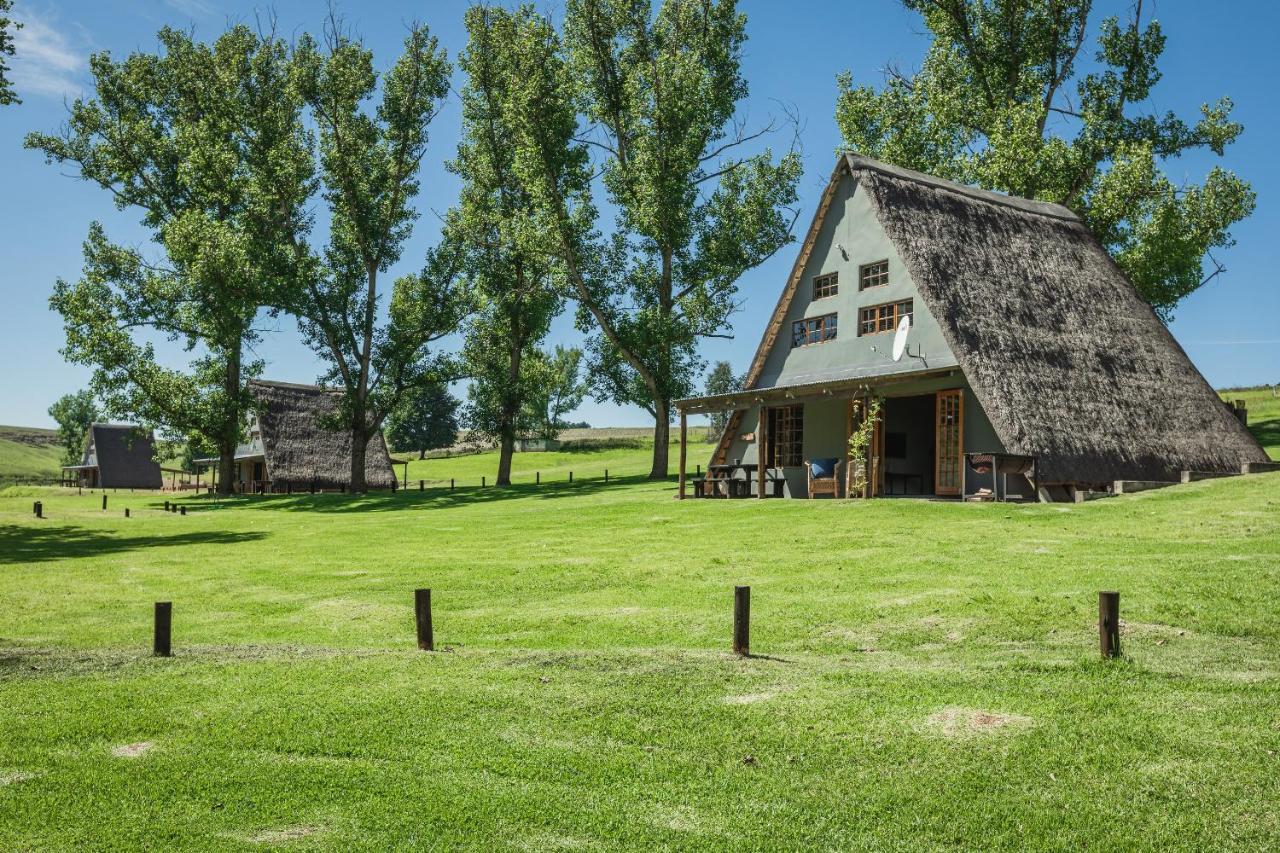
pixel 194 8
pixel 46 61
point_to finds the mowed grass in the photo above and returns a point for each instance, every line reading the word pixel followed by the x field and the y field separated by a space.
pixel 926 674
pixel 1264 415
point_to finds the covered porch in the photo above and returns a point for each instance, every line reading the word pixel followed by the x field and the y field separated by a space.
pixel 793 441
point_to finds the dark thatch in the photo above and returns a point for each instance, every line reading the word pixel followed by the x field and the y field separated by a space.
pixel 300 450
pixel 125 456
pixel 1065 357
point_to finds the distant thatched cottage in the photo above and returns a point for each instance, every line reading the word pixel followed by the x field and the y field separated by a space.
pixel 1022 336
pixel 116 456
pixel 291 448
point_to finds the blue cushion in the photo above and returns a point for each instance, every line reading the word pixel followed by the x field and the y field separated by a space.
pixel 823 467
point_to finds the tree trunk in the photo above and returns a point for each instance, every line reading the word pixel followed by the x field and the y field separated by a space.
pixel 359 443
pixel 422 454
pixel 661 440
pixel 230 436
pixel 506 450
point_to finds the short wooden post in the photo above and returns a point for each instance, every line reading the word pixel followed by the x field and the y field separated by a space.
pixel 698 469
pixel 161 645
pixel 451 484
pixel 482 482
pixel 422 614
pixel 570 476
pixel 742 621
pixel 422 485
pixel 1109 624
pixel 104 501
pixel 182 510
pixel 537 478
pixel 126 512
pixel 166 506
pixel 38 509
pixel 606 475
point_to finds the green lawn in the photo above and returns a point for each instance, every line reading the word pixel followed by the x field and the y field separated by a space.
pixel 1264 415
pixel 927 673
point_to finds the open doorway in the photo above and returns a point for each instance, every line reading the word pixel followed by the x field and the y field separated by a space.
pixel 910 445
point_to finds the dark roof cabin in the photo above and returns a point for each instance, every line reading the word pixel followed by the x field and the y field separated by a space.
pixel 1023 337
pixel 292 449
pixel 117 456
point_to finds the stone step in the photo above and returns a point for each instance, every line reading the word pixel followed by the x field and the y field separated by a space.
pixel 1196 476
pixel 1259 467
pixel 1128 487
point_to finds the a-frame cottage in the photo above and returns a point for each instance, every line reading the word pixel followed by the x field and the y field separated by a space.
pixel 116 456
pixel 1024 338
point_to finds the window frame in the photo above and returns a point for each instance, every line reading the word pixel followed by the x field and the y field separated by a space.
pixel 811 331
pixel 825 286
pixel 868 280
pixel 878 319
pixel 785 445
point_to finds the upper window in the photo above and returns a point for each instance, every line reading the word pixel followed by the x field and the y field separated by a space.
pixel 826 285
pixel 875 319
pixel 813 330
pixel 873 275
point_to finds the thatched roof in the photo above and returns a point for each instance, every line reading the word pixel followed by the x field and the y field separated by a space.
pixel 1068 361
pixel 125 456
pixel 300 449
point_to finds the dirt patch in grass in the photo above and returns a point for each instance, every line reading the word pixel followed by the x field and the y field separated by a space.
pixel 14 777
pixel 132 750
pixel 749 698
pixel 283 835
pixel 964 722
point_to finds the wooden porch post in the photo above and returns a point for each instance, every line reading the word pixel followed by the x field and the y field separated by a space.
pixel 848 460
pixel 684 441
pixel 762 434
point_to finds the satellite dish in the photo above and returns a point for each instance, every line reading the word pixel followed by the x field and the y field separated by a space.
pixel 900 338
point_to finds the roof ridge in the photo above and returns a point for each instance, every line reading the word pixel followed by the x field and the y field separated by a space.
pixel 1027 205
pixel 301 386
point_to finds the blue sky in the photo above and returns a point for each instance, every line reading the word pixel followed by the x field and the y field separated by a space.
pixel 1229 328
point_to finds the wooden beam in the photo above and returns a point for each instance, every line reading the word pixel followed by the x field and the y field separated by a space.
pixel 684 442
pixel 762 432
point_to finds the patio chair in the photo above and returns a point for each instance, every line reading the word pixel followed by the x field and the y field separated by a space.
pixel 824 476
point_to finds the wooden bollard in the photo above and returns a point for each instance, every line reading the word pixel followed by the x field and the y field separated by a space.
pixel 570 476
pixel 1109 624
pixel 126 512
pixel 160 646
pixel 482 482
pixel 606 475
pixel 451 484
pixel 166 506
pixel 742 620
pixel 699 466
pixel 422 485
pixel 422 615
pixel 104 501
pixel 38 509
pixel 182 510
pixel 537 478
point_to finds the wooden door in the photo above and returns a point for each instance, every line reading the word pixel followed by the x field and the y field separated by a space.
pixel 949 430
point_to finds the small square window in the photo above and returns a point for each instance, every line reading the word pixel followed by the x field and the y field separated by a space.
pixel 877 319
pixel 873 275
pixel 813 330
pixel 826 285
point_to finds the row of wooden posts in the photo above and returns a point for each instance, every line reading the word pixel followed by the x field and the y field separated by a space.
pixel 38 509
pixel 1108 623
pixel 484 480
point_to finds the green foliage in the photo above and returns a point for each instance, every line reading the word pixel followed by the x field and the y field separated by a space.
pixel 991 106
pixel 507 259
pixel 657 91
pixel 74 413
pixel 8 26
pixel 556 389
pixel 206 143
pixel 425 418
pixel 369 163
pixel 721 380
pixel 865 416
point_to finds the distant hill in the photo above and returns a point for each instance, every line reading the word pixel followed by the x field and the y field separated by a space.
pixel 27 453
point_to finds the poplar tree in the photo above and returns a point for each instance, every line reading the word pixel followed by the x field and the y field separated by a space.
pixel 657 95
pixel 8 26
pixel 508 260
pixel 1001 101
pixel 206 143
pixel 377 348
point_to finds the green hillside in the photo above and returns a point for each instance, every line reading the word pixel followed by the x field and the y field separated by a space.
pixel 1264 415
pixel 27 454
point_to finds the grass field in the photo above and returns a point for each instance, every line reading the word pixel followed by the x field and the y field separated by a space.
pixel 29 454
pixel 1264 415
pixel 926 674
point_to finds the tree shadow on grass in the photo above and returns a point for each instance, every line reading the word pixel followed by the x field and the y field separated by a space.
pixel 1268 433
pixel 434 495
pixel 39 543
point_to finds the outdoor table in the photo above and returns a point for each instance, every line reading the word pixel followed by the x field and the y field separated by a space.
pixel 1001 465
pixel 734 487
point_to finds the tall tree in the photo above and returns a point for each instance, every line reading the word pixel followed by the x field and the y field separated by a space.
pixel 206 142
pixel 370 162
pixel 557 388
pixel 508 259
pixel 74 414
pixel 425 418
pixel 8 26
pixel 658 93
pixel 992 105
pixel 720 380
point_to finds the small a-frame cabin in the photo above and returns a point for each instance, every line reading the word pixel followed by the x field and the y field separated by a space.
pixel 292 449
pixel 1024 338
pixel 117 456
